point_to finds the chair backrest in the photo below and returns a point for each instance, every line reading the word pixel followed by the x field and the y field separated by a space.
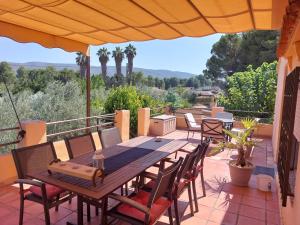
pixel 187 165
pixel 224 115
pixel 212 128
pixel 202 149
pixel 109 137
pixel 164 182
pixel 33 159
pixel 80 145
pixel 190 120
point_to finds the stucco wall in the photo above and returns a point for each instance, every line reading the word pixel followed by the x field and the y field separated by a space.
pixel 290 213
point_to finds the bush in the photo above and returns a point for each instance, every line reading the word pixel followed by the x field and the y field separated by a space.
pixel 251 90
pixel 124 97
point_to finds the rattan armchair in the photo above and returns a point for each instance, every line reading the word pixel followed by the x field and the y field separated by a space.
pixel 34 159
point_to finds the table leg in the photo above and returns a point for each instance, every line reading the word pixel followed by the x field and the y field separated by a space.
pixel 104 210
pixel 79 210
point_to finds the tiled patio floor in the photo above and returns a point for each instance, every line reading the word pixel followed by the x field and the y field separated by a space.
pixel 224 203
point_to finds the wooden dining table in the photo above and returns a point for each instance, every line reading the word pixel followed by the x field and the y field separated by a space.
pixel 123 162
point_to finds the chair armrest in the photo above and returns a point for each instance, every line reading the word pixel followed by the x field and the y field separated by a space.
pixel 30 182
pixel 183 150
pixel 130 202
pixel 149 175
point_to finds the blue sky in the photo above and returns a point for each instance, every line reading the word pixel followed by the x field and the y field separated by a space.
pixel 183 54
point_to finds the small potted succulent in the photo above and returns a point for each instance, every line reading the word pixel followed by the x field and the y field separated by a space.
pixel 240 168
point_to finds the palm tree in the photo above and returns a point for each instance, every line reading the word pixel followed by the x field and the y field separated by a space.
pixel 130 52
pixel 103 55
pixel 81 61
pixel 118 55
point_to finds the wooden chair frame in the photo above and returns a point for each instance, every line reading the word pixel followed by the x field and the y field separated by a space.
pixel 24 180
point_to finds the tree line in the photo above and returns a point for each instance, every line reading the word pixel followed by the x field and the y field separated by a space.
pixel 235 52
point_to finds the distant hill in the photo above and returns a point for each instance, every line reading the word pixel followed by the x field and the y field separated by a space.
pixel 96 69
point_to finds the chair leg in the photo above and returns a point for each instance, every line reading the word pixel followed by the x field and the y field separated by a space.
pixel 187 138
pixel 202 183
pixel 70 198
pixel 126 189
pixel 122 192
pixel 191 200
pixel 57 199
pixel 97 210
pixel 47 216
pixel 176 211
pixel 88 209
pixel 21 209
pixel 195 195
pixel 170 215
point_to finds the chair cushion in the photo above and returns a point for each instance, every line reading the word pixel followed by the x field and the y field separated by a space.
pixel 51 191
pixel 142 197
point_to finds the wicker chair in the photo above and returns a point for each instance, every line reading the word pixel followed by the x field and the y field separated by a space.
pixel 79 145
pixel 191 124
pixel 212 129
pixel 109 137
pixel 144 207
pixel 34 159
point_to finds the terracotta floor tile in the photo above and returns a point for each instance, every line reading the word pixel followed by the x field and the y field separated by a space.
pixel 272 206
pixel 223 217
pixel 237 198
pixel 255 202
pixel 252 212
pixel 56 216
pixel 193 221
pixel 273 218
pixel 204 212
pixel 242 220
pixel 207 201
pixel 227 206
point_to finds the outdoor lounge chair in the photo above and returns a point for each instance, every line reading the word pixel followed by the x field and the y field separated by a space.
pixel 145 207
pixel 33 159
pixel 191 124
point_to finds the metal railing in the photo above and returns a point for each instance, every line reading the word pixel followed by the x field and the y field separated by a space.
pixel 263 117
pixel 60 129
pixel 7 143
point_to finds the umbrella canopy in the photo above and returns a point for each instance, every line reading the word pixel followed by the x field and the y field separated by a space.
pixel 73 25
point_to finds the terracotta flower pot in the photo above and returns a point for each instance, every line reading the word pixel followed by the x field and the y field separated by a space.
pixel 240 175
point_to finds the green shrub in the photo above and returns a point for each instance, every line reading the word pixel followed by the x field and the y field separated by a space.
pixel 124 97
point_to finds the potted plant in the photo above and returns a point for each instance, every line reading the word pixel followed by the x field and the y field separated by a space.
pixel 240 169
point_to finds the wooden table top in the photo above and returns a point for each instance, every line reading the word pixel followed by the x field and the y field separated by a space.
pixel 221 119
pixel 121 176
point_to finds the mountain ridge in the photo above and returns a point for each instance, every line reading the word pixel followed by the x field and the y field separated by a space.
pixel 161 73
